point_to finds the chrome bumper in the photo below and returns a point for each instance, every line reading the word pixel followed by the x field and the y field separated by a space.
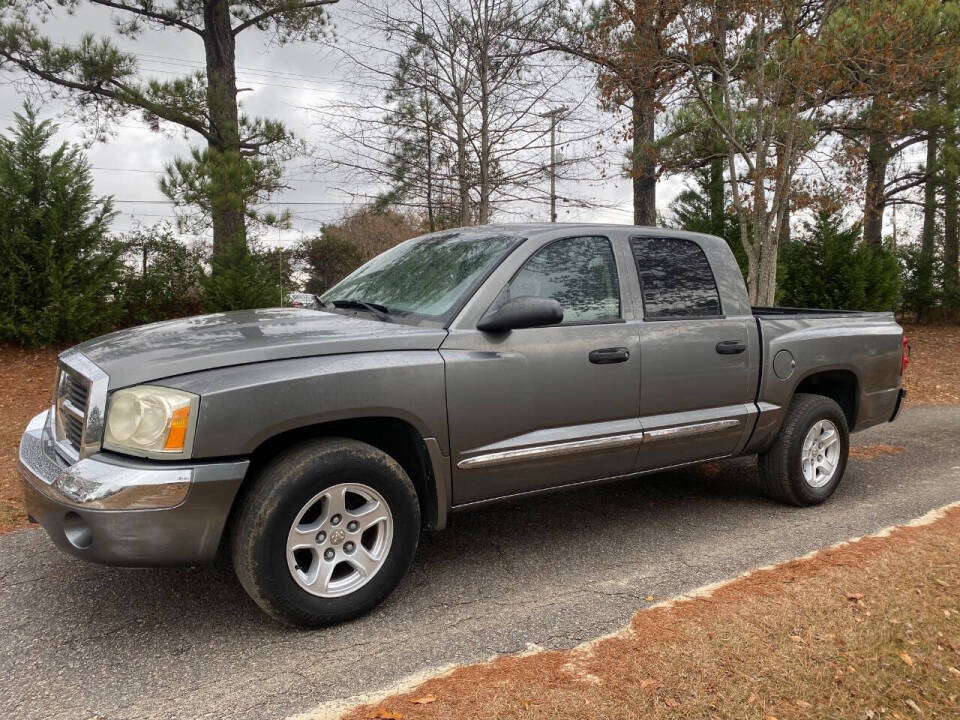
pixel 123 511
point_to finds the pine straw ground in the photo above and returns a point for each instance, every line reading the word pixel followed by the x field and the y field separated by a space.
pixel 26 388
pixel 866 631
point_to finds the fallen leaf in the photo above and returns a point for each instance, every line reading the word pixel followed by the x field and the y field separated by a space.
pixel 384 714
pixel 769 717
pixel 914 706
pixel 942 582
pixel 425 700
pixel 670 702
pixel 796 638
pixel 802 703
pixel 954 670
pixel 906 659
pixel 647 682
pixel 854 596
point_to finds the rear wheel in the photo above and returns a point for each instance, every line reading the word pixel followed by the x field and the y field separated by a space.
pixel 326 532
pixel 807 461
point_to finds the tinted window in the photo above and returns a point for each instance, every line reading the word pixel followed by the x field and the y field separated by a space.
pixel 579 273
pixel 675 277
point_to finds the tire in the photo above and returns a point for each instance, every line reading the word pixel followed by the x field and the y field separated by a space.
pixel 782 467
pixel 275 516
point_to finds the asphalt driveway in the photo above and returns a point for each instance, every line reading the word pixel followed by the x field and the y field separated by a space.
pixel 82 641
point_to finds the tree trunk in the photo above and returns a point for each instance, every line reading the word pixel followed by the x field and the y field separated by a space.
pixel 783 231
pixel 429 148
pixel 767 272
pixel 927 239
pixel 951 230
pixel 463 176
pixel 877 159
pixel 227 202
pixel 483 209
pixel 644 163
pixel 715 188
pixel 930 198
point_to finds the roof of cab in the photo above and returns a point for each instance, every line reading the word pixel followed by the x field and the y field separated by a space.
pixel 533 229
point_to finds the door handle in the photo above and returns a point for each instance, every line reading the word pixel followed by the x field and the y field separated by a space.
pixel 607 356
pixel 731 347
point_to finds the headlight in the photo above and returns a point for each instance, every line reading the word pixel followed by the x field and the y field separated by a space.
pixel 151 421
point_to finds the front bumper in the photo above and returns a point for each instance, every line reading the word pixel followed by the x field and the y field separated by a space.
pixel 121 511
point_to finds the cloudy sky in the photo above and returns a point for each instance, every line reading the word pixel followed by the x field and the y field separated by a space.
pixel 283 81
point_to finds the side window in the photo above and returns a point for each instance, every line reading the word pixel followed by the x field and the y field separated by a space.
pixel 675 278
pixel 579 273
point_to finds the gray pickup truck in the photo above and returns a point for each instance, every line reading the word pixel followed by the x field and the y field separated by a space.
pixel 459 368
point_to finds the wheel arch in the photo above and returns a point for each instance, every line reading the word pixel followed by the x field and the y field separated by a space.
pixel 839 384
pixel 397 437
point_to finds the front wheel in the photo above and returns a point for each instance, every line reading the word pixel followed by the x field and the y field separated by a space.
pixel 326 532
pixel 807 461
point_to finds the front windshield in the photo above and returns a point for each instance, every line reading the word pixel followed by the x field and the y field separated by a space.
pixel 426 276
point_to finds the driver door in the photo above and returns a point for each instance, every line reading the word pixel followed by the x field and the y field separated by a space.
pixel 541 407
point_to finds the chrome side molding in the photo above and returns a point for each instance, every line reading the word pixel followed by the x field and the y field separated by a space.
pixel 576 447
pixel 539 452
pixel 683 431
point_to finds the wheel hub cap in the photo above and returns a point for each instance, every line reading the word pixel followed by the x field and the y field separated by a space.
pixel 820 455
pixel 330 558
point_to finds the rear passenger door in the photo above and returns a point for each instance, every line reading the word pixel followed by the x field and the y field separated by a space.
pixel 698 363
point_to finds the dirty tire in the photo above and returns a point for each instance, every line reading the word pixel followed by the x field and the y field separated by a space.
pixel 781 473
pixel 270 505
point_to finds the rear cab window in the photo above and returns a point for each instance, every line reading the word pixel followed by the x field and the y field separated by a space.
pixel 676 280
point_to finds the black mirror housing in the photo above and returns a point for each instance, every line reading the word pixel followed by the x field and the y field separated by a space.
pixel 522 312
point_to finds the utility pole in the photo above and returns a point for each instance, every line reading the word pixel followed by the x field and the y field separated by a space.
pixel 553 115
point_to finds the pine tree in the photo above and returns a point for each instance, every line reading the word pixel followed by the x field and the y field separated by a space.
pixel 58 269
pixel 238 163
pixel 693 210
pixel 830 267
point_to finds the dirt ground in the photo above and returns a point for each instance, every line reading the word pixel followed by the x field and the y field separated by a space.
pixel 26 379
pixel 26 388
pixel 869 630
pixel 933 377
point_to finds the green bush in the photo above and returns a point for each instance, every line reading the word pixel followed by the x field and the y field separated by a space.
pixel 242 277
pixel 162 277
pixel 330 258
pixel 829 267
pixel 59 268
pixel 920 275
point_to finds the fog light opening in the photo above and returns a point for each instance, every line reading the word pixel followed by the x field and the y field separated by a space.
pixel 77 531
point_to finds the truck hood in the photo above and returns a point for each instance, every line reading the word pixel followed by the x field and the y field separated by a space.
pixel 152 352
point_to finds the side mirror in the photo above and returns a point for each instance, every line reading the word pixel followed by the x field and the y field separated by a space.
pixel 522 312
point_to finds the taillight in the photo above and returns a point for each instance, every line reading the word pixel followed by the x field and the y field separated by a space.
pixel 904 355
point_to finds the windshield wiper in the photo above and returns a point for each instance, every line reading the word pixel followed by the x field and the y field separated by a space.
pixel 381 312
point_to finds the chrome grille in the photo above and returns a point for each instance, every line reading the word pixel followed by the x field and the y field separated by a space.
pixel 78 406
pixel 76 391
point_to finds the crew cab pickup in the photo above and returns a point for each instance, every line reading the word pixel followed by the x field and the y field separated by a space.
pixel 459 368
